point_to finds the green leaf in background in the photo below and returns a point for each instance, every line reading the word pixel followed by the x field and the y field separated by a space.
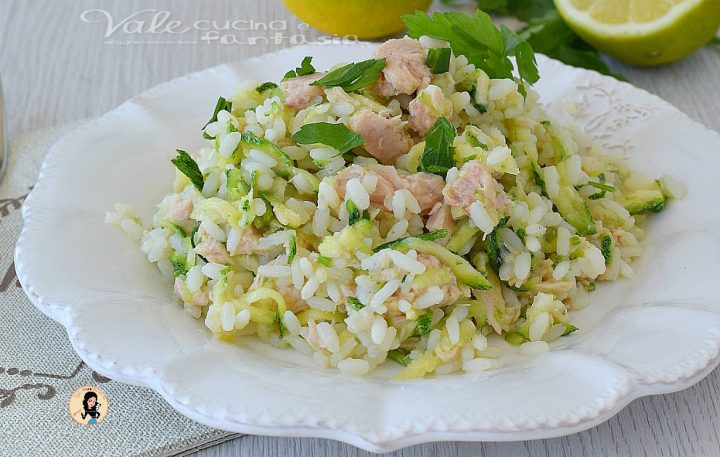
pixel 547 33
pixel 353 76
pixel 551 36
pixel 305 68
pixel 521 9
pixel 334 135
pixel 438 60
pixel 438 155
pixel 715 40
pixel 475 37
pixel 187 166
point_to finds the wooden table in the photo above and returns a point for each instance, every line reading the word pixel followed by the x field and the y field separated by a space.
pixel 57 66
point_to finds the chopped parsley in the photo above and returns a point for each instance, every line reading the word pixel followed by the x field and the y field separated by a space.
pixel 266 86
pixel 438 60
pixel 221 105
pixel 355 303
pixel 424 324
pixel 606 248
pixel 305 68
pixel 187 166
pixel 336 136
pixel 291 249
pixel 353 76
pixel 475 37
pixel 437 158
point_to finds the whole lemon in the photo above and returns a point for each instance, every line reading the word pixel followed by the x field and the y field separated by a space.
pixel 643 32
pixel 366 19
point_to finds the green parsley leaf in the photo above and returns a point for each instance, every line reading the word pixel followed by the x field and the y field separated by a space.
pixel 424 324
pixel 265 86
pixel 325 261
pixel 438 60
pixel 715 40
pixel 291 249
pixel 192 234
pixel 353 76
pixel 305 68
pixel 606 248
pixel 437 158
pixel 178 263
pixel 482 109
pixel 187 166
pixel 221 105
pixel 549 34
pixel 494 247
pixel 476 38
pixel 353 212
pixel 355 303
pixel 334 135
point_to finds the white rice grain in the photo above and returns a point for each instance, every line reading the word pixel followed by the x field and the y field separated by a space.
pixel 242 319
pixel 227 316
pixel 384 293
pixel 431 297
pixel 534 348
pixel 355 191
pixel 291 323
pixel 522 264
pixel 328 337
pixel 378 330
pixel 354 367
pixel 453 329
pixel 481 218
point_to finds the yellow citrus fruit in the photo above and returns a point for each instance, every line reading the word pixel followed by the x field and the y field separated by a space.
pixel 366 19
pixel 643 32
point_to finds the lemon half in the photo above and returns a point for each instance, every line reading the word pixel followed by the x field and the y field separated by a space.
pixel 643 32
pixel 366 19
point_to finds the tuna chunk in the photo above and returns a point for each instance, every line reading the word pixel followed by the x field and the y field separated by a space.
pixel 405 71
pixel 474 180
pixel 248 241
pixel 425 109
pixel 385 138
pixel 298 91
pixel 180 209
pixel 440 218
pixel 451 289
pixel 293 301
pixel 426 188
pixel 212 249
pixel 388 182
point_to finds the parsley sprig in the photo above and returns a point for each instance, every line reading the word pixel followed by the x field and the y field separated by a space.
pixel 475 37
pixel 334 135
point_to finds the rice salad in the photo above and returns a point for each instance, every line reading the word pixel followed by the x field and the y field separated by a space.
pixel 408 207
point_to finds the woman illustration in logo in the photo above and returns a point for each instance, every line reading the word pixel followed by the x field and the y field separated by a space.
pixel 90 406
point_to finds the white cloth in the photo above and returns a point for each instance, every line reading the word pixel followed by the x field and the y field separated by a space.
pixel 39 369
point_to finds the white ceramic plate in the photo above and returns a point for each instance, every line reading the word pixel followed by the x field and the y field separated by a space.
pixel 657 333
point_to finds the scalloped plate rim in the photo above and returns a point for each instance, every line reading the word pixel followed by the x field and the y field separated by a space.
pixel 56 312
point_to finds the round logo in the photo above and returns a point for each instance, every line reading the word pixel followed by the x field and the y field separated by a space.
pixel 88 405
